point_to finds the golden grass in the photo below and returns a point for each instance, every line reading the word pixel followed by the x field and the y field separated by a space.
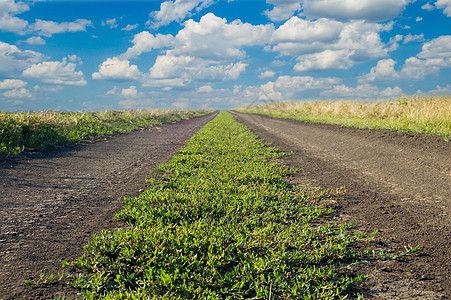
pixel 426 114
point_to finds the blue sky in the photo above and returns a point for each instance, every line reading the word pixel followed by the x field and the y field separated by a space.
pixel 96 55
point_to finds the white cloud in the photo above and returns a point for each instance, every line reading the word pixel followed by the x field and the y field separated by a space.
pixel 418 69
pixel 441 90
pixel 267 74
pixel 48 28
pixel 434 55
pixel 392 92
pixel 437 48
pixel 12 58
pixel 35 40
pixel 56 72
pixel 412 38
pixel 113 91
pixel 287 87
pixel 131 92
pixel 298 36
pixel 8 21
pixel 145 42
pixel 418 19
pixel 328 59
pixel 7 84
pixel 268 92
pixel 282 9
pixel 213 38
pixel 176 11
pixel 298 30
pixel 205 89
pixel 170 66
pixel 369 10
pixel 304 83
pixel 445 5
pixel 361 91
pixel 428 7
pixel 130 27
pixel 384 70
pixel 117 69
pixel 21 93
pixel 111 23
pixel 189 68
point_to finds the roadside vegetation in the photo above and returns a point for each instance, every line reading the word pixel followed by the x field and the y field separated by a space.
pixel 425 114
pixel 220 222
pixel 40 130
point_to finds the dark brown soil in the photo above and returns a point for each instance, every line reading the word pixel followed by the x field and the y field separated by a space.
pixel 398 183
pixel 52 203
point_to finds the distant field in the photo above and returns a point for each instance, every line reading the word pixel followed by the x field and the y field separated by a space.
pixel 426 114
pixel 40 130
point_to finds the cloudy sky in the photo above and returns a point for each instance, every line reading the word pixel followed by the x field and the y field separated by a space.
pixel 95 55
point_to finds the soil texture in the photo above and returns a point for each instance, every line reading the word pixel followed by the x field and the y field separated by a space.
pixel 398 183
pixel 51 203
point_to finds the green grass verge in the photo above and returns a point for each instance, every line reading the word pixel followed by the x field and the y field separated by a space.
pixel 40 130
pixel 221 223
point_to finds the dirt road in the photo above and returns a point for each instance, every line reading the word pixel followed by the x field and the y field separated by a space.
pixel 399 183
pixel 52 203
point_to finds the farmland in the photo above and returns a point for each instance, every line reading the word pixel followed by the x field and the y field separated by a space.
pixel 40 130
pixel 422 114
pixel 226 217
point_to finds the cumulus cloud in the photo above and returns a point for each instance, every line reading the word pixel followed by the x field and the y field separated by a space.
pixel 287 87
pixel 48 28
pixel 35 40
pixel 327 59
pixel 12 84
pixel 298 36
pixel 370 10
pixel 189 68
pixel 384 70
pixel 130 92
pixel 445 5
pixel 21 93
pixel 111 23
pixel 56 72
pixel 297 30
pixel 366 90
pixel 434 55
pixel 12 58
pixel 145 42
pixel 205 89
pixel 8 21
pixel 282 9
pixel 130 27
pixel 176 11
pixel 117 69
pixel 266 74
pixel 428 7
pixel 213 38
pixel 437 48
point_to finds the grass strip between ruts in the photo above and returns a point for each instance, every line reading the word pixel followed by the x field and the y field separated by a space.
pixel 220 223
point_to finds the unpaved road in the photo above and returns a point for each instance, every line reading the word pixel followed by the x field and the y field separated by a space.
pixel 52 203
pixel 399 183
